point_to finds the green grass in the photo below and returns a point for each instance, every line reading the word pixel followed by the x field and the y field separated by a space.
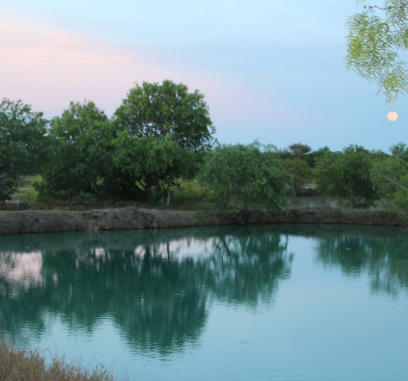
pixel 21 365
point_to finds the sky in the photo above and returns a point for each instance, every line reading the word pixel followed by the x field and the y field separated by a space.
pixel 270 70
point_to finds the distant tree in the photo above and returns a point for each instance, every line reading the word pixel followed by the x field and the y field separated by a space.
pixel 377 41
pixel 300 171
pixel 312 157
pixel 22 144
pixel 299 151
pixel 239 175
pixel 347 174
pixel 80 154
pixel 390 178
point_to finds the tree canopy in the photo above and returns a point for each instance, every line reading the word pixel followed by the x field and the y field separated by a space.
pixel 240 174
pixel 167 110
pixel 22 143
pixel 347 173
pixel 79 154
pixel 376 42
pixel 159 134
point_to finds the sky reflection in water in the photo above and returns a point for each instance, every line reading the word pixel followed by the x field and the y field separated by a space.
pixel 270 302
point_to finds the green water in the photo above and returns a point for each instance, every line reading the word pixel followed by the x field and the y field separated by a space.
pixel 316 303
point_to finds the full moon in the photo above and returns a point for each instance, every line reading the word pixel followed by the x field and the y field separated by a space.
pixel 392 116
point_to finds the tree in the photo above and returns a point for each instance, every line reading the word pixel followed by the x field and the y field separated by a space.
pixel 299 150
pixel 346 174
pixel 390 178
pixel 239 175
pixel 150 164
pixel 300 171
pixel 22 144
pixel 80 154
pixel 376 42
pixel 167 110
pixel 164 133
pixel 312 157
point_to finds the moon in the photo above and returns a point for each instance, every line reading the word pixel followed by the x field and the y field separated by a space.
pixel 392 116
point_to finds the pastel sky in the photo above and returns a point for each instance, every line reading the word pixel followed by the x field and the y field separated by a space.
pixel 271 70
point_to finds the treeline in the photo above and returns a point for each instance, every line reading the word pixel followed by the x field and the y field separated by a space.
pixel 159 147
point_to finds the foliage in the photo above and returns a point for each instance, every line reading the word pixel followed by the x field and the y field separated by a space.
pixel 22 144
pixel 347 173
pixel 84 198
pixel 150 164
pixel 300 171
pixel 377 38
pixel 21 365
pixel 165 111
pixel 30 196
pixel 190 191
pixel 240 174
pixel 164 131
pixel 299 150
pixel 79 154
pixel 390 178
pixel 313 156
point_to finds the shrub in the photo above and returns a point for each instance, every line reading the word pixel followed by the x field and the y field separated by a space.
pixel 239 175
pixel 190 191
pixel 21 365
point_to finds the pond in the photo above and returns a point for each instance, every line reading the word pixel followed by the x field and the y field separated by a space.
pixel 225 303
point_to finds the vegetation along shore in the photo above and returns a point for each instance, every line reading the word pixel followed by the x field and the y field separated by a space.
pixel 158 149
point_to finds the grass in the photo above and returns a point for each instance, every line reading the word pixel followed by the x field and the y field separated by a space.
pixel 22 365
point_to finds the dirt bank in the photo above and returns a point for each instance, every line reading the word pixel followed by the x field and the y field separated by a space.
pixel 46 221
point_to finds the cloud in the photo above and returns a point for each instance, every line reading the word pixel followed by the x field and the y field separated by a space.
pixel 48 68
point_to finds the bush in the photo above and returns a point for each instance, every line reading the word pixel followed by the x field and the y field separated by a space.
pixel 20 365
pixel 239 175
pixel 190 191
pixel 390 178
pixel 30 196
pixel 347 174
pixel 84 198
pixel 300 171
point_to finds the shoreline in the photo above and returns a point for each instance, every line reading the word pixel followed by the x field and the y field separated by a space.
pixel 131 218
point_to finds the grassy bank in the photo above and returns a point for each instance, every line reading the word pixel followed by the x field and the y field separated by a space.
pixel 22 365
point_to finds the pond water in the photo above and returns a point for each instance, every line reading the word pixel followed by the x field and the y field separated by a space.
pixel 233 303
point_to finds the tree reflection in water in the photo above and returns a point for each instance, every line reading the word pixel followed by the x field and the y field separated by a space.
pixel 155 286
pixel 384 259
pixel 380 252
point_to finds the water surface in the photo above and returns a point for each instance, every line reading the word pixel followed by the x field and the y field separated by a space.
pixel 234 303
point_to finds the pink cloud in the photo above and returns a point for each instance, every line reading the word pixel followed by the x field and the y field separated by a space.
pixel 48 68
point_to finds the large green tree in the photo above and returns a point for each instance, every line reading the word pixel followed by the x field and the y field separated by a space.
pixel 239 175
pixel 377 41
pixel 80 153
pixel 347 174
pixel 167 110
pixel 22 144
pixel 164 131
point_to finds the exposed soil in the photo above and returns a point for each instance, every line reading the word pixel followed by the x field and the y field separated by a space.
pixel 53 221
